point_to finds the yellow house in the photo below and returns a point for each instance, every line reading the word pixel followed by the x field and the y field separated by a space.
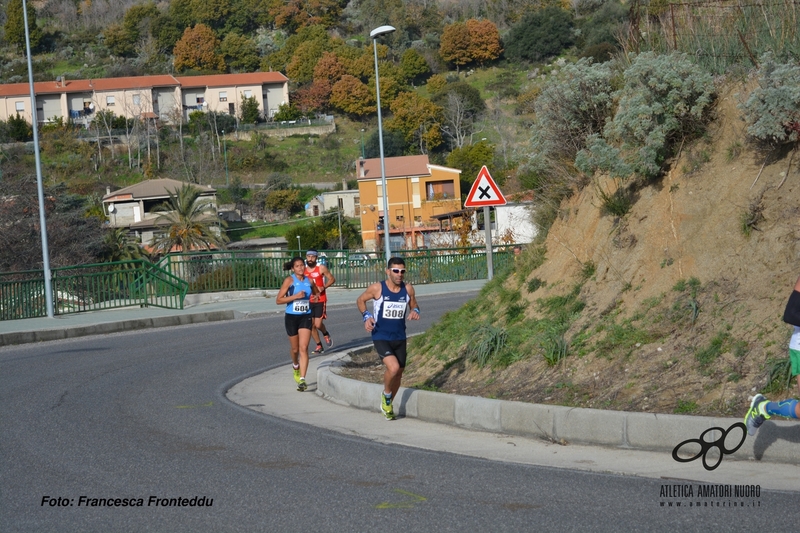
pixel 417 191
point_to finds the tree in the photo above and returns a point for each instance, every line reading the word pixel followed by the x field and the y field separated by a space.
pixel 197 49
pixel 329 68
pixel 189 223
pixel 540 34
pixel 249 110
pixel 18 129
pixel 469 160
pixel 350 95
pixel 15 25
pixel 305 57
pixel 418 119
pixel 413 65
pixel 323 233
pixel 462 105
pixel 314 97
pixel 394 144
pixel 295 14
pixel 20 240
pixel 118 246
pixel 286 201
pixel 241 53
pixel 454 44
pixel 484 41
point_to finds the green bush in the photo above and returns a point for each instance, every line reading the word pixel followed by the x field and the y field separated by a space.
pixel 772 112
pixel 664 98
pixel 572 106
pixel 540 34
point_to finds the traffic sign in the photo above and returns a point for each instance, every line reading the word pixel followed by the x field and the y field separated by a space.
pixel 484 192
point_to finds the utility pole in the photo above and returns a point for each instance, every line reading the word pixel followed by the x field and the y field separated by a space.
pixel 341 242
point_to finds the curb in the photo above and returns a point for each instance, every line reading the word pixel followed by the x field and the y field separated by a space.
pixel 134 324
pixel 775 442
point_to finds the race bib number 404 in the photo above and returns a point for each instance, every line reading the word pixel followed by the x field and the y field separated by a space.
pixel 394 310
pixel 301 306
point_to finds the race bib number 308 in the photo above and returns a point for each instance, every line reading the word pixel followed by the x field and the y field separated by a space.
pixel 301 306
pixel 394 310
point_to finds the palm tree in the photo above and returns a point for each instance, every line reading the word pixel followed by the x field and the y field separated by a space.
pixel 118 246
pixel 190 223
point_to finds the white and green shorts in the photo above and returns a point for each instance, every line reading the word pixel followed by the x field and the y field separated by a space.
pixel 794 351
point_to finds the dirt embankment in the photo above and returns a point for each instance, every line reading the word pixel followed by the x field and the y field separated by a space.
pixel 720 219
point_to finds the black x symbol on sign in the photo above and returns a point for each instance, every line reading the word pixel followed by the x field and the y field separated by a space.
pixel 484 192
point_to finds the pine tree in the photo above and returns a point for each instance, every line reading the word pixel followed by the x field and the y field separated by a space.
pixel 15 25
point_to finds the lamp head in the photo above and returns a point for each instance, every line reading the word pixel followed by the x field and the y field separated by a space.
pixel 383 30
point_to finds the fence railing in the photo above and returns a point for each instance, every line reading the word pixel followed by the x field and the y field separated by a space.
pixel 165 284
pixel 90 288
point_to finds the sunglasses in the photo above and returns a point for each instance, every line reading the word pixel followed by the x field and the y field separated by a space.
pixel 399 270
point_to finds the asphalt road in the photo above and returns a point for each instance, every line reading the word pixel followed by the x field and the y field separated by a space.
pixel 144 415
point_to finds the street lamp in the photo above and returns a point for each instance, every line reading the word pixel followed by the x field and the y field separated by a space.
pixel 374 34
pixel 48 284
pixel 225 148
pixel 298 245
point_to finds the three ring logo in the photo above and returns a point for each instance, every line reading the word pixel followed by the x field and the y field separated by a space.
pixel 705 446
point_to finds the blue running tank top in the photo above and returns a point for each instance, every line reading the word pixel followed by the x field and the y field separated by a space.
pixel 390 314
pixel 303 305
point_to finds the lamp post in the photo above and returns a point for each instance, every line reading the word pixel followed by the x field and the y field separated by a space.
pixel 48 284
pixel 298 245
pixel 225 148
pixel 374 34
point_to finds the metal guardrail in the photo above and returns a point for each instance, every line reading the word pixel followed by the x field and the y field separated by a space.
pixel 140 283
pixel 90 288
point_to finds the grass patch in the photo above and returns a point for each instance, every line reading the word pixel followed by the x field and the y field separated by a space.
pixel 685 407
pixel 486 342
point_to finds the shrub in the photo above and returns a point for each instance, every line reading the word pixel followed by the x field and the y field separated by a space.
pixel 664 98
pixel 772 112
pixel 573 106
pixel 540 34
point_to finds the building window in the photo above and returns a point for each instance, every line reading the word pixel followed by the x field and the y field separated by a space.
pixel 440 190
pixel 19 106
pixel 110 101
pixel 200 100
pixel 137 99
pixel 357 204
pixel 223 96
pixel 398 215
pixel 248 94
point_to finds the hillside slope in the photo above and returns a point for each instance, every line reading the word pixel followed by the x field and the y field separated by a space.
pixel 682 309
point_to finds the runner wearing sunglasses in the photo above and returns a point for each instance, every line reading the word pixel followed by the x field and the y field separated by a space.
pixel 393 301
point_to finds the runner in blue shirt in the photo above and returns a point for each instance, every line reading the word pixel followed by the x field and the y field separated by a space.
pixel 295 294
pixel 393 301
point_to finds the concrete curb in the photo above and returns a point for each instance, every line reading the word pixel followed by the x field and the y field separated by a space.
pixel 776 441
pixel 134 324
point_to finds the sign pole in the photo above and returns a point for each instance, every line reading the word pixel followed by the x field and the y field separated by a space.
pixel 485 193
pixel 487 224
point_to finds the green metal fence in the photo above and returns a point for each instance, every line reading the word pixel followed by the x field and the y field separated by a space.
pixel 243 270
pixel 140 283
pixel 90 288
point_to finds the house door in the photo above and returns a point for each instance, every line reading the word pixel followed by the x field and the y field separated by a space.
pixel 231 109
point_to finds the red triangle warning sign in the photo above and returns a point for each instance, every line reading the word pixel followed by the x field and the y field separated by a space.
pixel 484 191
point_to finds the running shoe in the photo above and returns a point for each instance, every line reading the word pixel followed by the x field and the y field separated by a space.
pixel 319 349
pixel 296 374
pixel 301 385
pixel 328 340
pixel 756 414
pixel 386 408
